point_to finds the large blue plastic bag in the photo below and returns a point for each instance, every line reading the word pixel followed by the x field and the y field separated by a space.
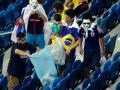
pixel 44 62
pixel 44 65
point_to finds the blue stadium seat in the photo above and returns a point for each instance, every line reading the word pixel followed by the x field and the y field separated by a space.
pixel 95 74
pixel 105 66
pixel 31 85
pixel 66 72
pixel 3 82
pixel 17 87
pixel 116 56
pixel 55 82
pixel 101 81
pixel 63 84
pixel 113 71
pixel 76 75
pixel 1 61
pixel 117 87
pixel 22 2
pixel 85 83
pixel 2 21
pixel 1 79
pixel 26 80
pixel 111 45
pixel 75 65
pixel 107 40
pixel 13 8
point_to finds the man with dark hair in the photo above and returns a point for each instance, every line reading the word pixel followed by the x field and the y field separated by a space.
pixel 70 38
pixel 57 8
pixel 93 46
pixel 17 64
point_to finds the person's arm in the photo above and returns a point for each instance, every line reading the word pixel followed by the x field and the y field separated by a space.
pixel 43 17
pixel 80 44
pixel 102 49
pixel 74 46
pixel 21 53
pixel 40 10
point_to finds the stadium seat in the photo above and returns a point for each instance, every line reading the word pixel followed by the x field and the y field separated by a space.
pixel 3 82
pixel 26 80
pixel 95 74
pixel 2 21
pixel 105 66
pixel 31 85
pixel 66 72
pixel 63 84
pixel 117 87
pixel 101 81
pixel 13 8
pixel 116 56
pixel 107 40
pixel 85 83
pixel 113 71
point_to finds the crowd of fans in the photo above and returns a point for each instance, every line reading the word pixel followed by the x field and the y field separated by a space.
pixel 72 21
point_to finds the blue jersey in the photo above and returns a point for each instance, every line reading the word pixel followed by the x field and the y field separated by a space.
pixel 92 41
pixel 73 31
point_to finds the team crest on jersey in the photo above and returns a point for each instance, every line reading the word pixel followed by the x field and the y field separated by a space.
pixel 92 33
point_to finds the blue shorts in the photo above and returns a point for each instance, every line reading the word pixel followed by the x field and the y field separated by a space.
pixel 36 39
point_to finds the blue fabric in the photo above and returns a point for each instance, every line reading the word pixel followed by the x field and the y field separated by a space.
pixel 21 28
pixel 36 39
pixel 94 46
pixel 51 14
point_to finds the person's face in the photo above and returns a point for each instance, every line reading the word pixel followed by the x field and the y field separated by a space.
pixel 68 19
pixel 22 41
pixel 86 23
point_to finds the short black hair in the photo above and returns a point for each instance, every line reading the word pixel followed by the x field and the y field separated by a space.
pixel 20 35
pixel 87 16
pixel 70 12
pixel 57 17
pixel 58 5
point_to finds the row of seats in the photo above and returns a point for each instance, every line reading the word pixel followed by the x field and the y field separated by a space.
pixel 97 7
pixel 109 44
pixel 110 18
pixel 102 78
pixel 5 3
pixel 8 17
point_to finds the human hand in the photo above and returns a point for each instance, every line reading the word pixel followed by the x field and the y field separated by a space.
pixel 26 55
pixel 102 53
pixel 81 51
pixel 68 51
